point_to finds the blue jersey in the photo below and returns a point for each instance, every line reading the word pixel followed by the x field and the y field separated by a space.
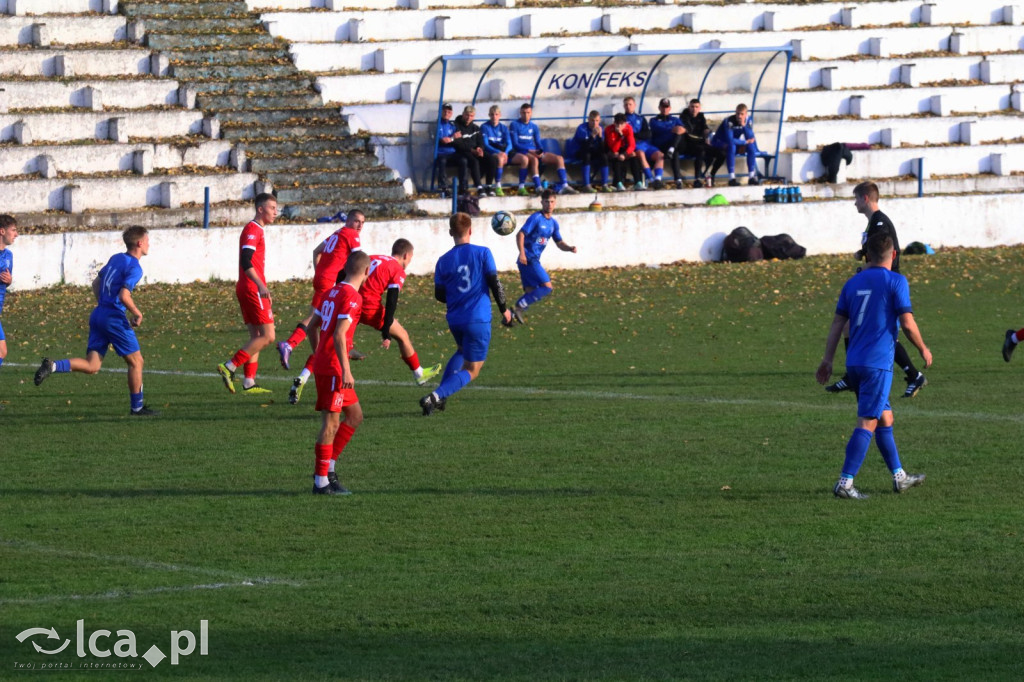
pixel 462 273
pixel 122 271
pixel 537 231
pixel 496 138
pixel 730 129
pixel 873 300
pixel 661 129
pixel 445 129
pixel 6 265
pixel 525 136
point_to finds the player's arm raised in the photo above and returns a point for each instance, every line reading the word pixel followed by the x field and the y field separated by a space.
pixel 341 348
pixel 834 332
pixel 911 331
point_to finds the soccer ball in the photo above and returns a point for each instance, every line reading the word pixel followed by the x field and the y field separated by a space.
pixel 503 223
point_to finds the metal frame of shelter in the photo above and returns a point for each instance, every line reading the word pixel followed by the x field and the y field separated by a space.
pixel 563 87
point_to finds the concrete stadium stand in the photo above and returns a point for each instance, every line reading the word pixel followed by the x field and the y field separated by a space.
pixel 63 63
pixel 107 157
pixel 128 93
pixel 63 29
pixel 42 7
pixel 72 126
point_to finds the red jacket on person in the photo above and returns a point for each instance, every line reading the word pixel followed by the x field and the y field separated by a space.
pixel 619 143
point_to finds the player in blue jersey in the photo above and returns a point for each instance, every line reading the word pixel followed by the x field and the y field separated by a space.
pixel 588 142
pixel 735 134
pixel 497 144
pixel 8 233
pixel 108 325
pixel 667 135
pixel 462 279
pixel 527 152
pixel 539 229
pixel 648 154
pixel 876 303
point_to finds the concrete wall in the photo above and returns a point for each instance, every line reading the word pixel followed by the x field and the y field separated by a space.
pixel 603 238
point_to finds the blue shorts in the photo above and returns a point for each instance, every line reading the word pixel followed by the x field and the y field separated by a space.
pixel 533 274
pixel 2 337
pixel 473 338
pixel 872 388
pixel 109 327
pixel 646 147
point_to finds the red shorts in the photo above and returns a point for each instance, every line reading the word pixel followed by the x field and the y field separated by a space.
pixel 255 310
pixel 318 296
pixel 329 394
pixel 372 318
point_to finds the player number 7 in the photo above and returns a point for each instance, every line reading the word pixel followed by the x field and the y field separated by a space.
pixel 865 294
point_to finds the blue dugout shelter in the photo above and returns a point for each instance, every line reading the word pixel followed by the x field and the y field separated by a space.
pixel 564 87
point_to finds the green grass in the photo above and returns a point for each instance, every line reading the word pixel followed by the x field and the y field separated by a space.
pixel 636 488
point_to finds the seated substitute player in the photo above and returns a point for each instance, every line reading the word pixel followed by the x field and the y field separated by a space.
pixel 589 143
pixel 335 386
pixel 648 154
pixel 497 144
pixel 108 325
pixel 706 159
pixel 621 150
pixel 736 135
pixel 667 134
pixel 253 298
pixel 876 303
pixel 539 229
pixel 1010 342
pixel 527 152
pixel 462 279
pixel 8 233
pixel 329 258
pixel 387 275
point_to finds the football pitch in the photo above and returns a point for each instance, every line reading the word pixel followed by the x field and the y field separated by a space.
pixel 637 487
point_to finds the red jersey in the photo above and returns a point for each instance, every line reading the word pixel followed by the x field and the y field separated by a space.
pixel 619 143
pixel 385 273
pixel 337 247
pixel 342 302
pixel 252 238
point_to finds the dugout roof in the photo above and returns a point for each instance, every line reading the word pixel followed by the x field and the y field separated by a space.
pixel 564 87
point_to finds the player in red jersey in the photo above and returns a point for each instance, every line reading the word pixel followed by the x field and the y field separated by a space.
pixel 329 258
pixel 335 387
pixel 254 298
pixel 387 275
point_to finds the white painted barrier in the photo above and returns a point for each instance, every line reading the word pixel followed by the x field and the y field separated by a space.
pixel 603 238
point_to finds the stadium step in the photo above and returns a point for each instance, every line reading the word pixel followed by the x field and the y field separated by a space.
pixel 214 102
pixel 269 116
pixel 271 54
pixel 310 178
pixel 267 165
pixel 207 8
pixel 289 85
pixel 340 194
pixel 310 146
pixel 330 127
pixel 191 41
pixel 176 25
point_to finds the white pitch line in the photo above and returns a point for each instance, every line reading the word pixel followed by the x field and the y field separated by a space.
pixel 128 594
pixel 36 548
pixel 614 395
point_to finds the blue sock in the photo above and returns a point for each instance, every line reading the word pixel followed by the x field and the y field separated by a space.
pixel 887 446
pixel 1 362
pixel 533 297
pixel 856 451
pixel 648 174
pixel 523 172
pixel 659 173
pixel 455 363
pixel 536 182
pixel 604 175
pixel 136 401
pixel 452 384
pixel 563 179
pixel 63 365
pixel 586 174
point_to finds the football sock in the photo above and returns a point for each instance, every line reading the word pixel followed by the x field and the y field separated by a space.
pixel 732 176
pixel 136 399
pixel 304 375
pixel 62 366
pixel 1015 338
pixel 413 363
pixel 309 364
pixel 887 446
pixel 323 461
pixel 899 474
pixel 648 174
pixel 586 174
pixel 537 294
pixel 904 362
pixel 856 451
pixel 341 439
pixel 455 363
pixel 250 374
pixel 298 336
pixel 453 384
pixel 536 181
pixel 659 173
pixel 239 359
pixel 1 362
pixel 523 172
pixel 604 175
pixel 497 175
pixel 563 179
pixel 330 467
pixel 846 481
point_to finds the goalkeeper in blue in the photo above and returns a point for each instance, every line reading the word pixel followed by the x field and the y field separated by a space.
pixel 876 302
pixel 463 278
pixel 539 229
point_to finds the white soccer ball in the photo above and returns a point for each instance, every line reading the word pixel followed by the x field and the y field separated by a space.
pixel 503 223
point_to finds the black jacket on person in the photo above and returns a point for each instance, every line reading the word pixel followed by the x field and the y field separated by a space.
pixel 697 126
pixel 471 136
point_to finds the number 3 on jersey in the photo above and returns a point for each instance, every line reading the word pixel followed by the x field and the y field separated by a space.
pixel 467 283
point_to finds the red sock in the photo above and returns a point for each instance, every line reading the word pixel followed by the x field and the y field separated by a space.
pixel 309 364
pixel 323 459
pixel 240 358
pixel 413 361
pixel 1020 334
pixel 297 337
pixel 250 369
pixel 341 440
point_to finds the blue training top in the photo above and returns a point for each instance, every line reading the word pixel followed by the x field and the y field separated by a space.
pixel 122 271
pixel 525 136
pixel 661 129
pixel 872 300
pixel 537 231
pixel 496 138
pixel 462 272
pixel 6 265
